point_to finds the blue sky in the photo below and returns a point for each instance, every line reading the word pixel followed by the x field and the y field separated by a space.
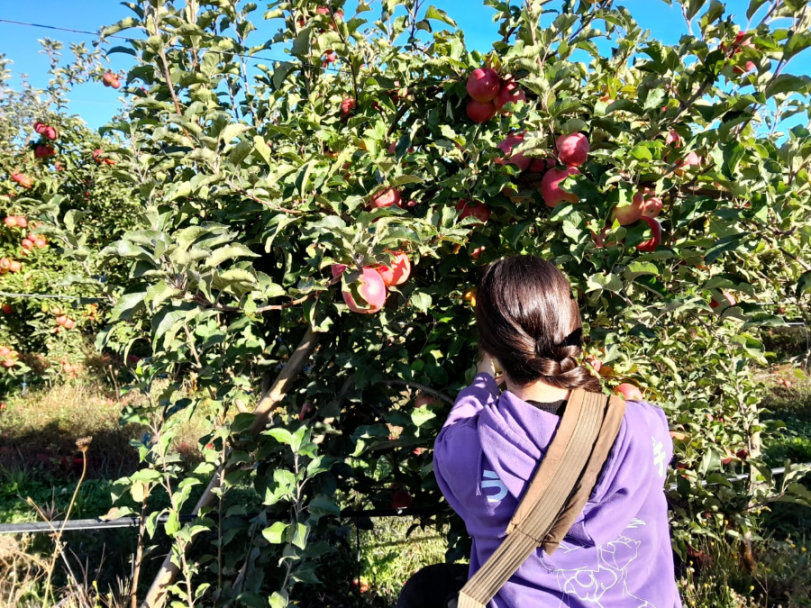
pixel 96 104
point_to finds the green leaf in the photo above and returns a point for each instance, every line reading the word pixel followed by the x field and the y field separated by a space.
pixel 235 250
pixel 796 44
pixel 786 83
pixel 323 505
pixel 637 269
pixel 300 534
pixel 276 533
pixel 127 305
pixel 610 282
pixel 804 283
pixel 280 435
pixel 421 301
pixel 172 525
pixel 278 600
pixel 232 131
pixel 439 15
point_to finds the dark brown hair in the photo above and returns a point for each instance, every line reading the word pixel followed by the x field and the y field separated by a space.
pixel 529 321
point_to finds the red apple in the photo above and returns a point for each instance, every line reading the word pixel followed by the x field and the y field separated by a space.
pixel 5 351
pixel 23 180
pixel 306 409
pixel 506 146
pixel 338 270
pixel 728 297
pixel 401 500
pixel 573 150
pixel 398 272
pixel 21 222
pixel 650 204
pixel 595 363
pixel 40 127
pixel 480 112
pixel 628 214
pixel 44 151
pixel 40 242
pixel 691 160
pixel 371 288
pixel 61 320
pixel 15 266
pixel 551 191
pixel 387 198
pixel 483 85
pixel 478 210
pixel 751 66
pixel 628 391
pixel 51 133
pixel 110 80
pixel 7 309
pixel 27 244
pixel 653 242
pixel 10 221
pixel 673 139
pixel 330 56
pixel 509 92
pixel 422 400
pixel 742 453
pixel 347 107
pixel 70 324
pixel 477 252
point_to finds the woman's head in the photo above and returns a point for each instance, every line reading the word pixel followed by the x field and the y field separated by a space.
pixel 529 321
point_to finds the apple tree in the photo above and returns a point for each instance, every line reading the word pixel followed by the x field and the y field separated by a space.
pixel 314 210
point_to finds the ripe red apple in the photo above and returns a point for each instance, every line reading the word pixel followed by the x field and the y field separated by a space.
pixel 478 210
pixel 347 107
pixel 650 204
pixel 21 222
pixel 371 288
pixel 742 453
pixel 506 146
pixel 629 392
pixel 23 180
pixel 673 139
pixel 573 150
pixel 691 160
pixel 70 324
pixel 398 272
pixel 306 409
pixel 509 92
pixel 44 151
pixel 595 363
pixel 387 198
pixel 39 127
pixel 628 214
pixel 10 221
pixel 730 299
pixel 7 309
pixel 330 56
pixel 539 165
pixel 40 242
pixel 110 80
pixel 8 363
pixel 401 500
pixel 51 133
pixel 61 320
pixel 656 238
pixel 5 351
pixel 751 66
pixel 15 266
pixel 27 244
pixel 422 400
pixel 483 84
pixel 551 191
pixel 480 112
pixel 338 270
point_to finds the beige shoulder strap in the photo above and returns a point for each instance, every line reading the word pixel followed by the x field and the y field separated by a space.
pixel 557 494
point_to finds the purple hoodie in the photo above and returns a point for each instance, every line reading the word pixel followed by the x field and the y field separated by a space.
pixel 618 552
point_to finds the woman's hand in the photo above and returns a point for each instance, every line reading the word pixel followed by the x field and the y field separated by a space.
pixel 487 365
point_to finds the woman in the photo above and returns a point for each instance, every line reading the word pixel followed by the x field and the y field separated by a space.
pixel 618 552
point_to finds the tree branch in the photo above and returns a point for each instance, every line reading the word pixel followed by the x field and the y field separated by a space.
pixel 156 596
pixel 419 387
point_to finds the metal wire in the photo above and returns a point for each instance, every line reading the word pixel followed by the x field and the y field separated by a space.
pixel 128 39
pixel 133 521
